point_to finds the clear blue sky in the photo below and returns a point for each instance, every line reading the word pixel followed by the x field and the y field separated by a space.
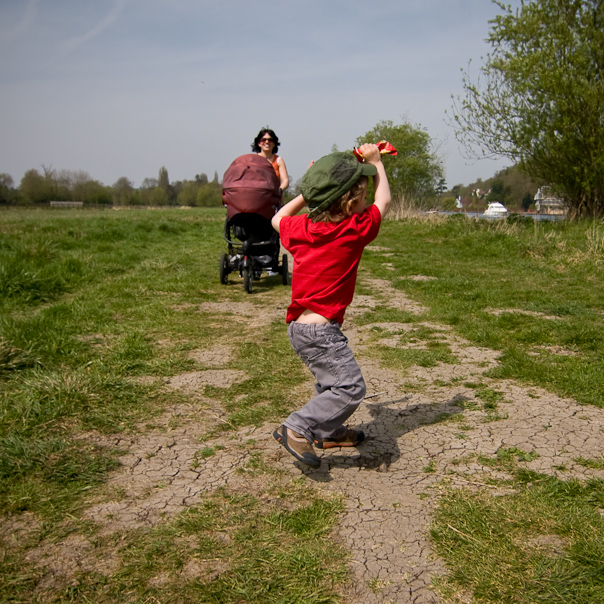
pixel 123 87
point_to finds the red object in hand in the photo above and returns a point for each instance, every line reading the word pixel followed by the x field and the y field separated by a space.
pixel 385 149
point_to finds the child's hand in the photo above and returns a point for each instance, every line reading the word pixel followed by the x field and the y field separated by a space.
pixel 371 154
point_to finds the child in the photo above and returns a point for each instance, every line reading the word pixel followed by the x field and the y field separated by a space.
pixel 327 245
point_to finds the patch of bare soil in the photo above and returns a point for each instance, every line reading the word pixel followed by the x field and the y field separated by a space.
pixel 240 309
pixel 419 278
pixel 416 443
pixel 61 562
pixel 395 298
pixel 559 350
pixel 378 248
pixel 259 314
pixel 216 356
pixel 193 381
pixel 549 545
pixel 16 529
pixel 519 311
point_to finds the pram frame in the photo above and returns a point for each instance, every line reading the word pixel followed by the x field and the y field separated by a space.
pixel 241 259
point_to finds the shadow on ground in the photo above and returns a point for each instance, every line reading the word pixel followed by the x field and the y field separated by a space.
pixel 380 449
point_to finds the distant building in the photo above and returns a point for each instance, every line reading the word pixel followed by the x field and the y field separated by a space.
pixel 479 193
pixel 547 203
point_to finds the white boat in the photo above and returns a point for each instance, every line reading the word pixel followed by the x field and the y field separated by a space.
pixel 496 209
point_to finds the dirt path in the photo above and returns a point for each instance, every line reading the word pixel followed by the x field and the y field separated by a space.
pixel 390 483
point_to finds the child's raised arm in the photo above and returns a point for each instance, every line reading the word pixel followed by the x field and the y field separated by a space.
pixel 372 155
pixel 289 209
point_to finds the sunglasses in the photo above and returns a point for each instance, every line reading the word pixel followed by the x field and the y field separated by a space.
pixel 267 140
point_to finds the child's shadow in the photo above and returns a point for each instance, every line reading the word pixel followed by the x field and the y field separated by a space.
pixel 380 448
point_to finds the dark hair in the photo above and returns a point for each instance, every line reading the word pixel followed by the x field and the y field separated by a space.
pixel 256 143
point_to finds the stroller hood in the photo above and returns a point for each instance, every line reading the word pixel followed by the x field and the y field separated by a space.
pixel 250 185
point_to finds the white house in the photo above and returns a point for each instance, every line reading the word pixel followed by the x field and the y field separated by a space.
pixel 547 203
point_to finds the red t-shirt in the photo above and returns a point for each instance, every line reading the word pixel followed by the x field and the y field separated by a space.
pixel 326 259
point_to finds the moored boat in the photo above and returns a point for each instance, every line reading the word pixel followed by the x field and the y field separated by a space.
pixel 496 209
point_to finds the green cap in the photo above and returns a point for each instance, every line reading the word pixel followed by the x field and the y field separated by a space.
pixel 330 177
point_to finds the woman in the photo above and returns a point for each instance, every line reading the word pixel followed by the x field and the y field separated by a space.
pixel 266 145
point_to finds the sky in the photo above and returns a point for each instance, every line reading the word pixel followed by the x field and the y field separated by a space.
pixel 123 87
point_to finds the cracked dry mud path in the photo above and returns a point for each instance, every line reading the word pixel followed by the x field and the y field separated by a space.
pixel 390 484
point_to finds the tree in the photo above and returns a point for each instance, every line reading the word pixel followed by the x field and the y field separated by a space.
pixel 497 191
pixel 163 182
pixel 441 186
pixel 416 171
pixel 123 192
pixel 449 204
pixel 77 185
pixel 539 97
pixel 159 197
pixel 6 187
pixel 149 183
pixel 188 194
pixel 36 188
pixel 209 195
pixel 97 192
pixel 527 201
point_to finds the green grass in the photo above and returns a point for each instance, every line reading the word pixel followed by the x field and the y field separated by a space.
pixel 91 302
pixel 484 272
pixel 230 548
pixel 543 542
pixel 88 302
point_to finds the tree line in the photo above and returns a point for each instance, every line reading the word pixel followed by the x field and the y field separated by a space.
pixel 416 175
pixel 68 185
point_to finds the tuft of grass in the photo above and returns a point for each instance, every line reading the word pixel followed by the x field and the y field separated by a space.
pixel 593 464
pixel 430 468
pixel 490 397
pixel 507 459
pixel 50 477
pixel 403 358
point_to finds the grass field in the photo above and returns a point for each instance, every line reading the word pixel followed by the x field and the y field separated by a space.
pixel 95 305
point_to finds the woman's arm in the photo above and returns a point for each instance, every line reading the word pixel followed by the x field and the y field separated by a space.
pixel 283 175
pixel 289 209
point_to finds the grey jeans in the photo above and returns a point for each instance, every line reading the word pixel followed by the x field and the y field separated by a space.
pixel 340 387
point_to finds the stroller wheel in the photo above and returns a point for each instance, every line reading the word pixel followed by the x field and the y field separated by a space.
pixel 248 279
pixel 284 270
pixel 224 269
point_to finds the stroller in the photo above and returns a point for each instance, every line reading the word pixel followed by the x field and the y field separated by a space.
pixel 250 193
